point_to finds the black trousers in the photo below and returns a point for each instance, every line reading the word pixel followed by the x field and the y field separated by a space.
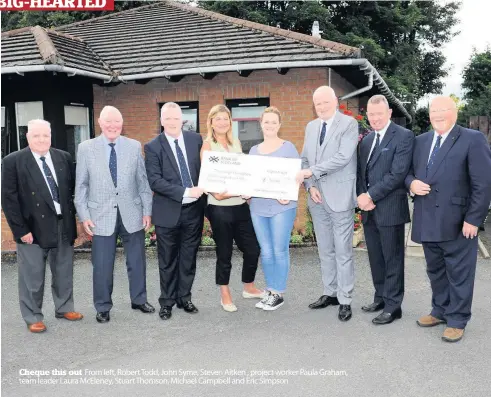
pixel 177 249
pixel 385 246
pixel 103 255
pixel 230 223
pixel 451 268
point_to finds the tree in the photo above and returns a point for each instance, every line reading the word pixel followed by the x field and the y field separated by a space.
pixel 477 86
pixel 477 74
pixel 402 39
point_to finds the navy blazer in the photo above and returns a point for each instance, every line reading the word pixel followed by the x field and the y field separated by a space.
pixel 460 181
pixel 164 176
pixel 387 172
pixel 27 201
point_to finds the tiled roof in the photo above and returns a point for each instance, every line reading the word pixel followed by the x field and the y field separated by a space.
pixel 38 46
pixel 167 36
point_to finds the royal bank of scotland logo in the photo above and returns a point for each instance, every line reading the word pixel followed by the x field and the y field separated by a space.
pixel 214 159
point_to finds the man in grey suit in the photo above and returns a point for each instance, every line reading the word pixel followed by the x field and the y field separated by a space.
pixel 329 175
pixel 112 197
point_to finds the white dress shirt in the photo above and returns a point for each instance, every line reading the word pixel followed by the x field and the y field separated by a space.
pixel 381 134
pixel 186 199
pixel 435 136
pixel 51 166
pixel 328 126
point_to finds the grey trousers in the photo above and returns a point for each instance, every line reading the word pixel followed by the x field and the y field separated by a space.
pixel 31 262
pixel 103 256
pixel 334 234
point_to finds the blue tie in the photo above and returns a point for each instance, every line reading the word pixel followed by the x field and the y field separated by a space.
pixel 431 161
pixel 113 165
pixel 51 181
pixel 323 133
pixel 185 177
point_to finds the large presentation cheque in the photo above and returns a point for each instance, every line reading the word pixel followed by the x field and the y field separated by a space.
pixel 249 175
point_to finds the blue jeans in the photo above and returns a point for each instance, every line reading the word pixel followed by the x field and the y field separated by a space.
pixel 273 234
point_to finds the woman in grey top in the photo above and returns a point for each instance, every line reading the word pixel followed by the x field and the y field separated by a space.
pixel 273 219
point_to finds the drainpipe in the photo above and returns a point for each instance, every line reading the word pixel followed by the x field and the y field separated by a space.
pixel 361 90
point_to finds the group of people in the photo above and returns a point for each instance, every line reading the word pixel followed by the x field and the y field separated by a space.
pixel 117 192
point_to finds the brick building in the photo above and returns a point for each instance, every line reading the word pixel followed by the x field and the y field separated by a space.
pixel 139 59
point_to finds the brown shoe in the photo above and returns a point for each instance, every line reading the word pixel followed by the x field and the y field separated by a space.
pixel 429 321
pixel 37 328
pixel 452 334
pixel 70 316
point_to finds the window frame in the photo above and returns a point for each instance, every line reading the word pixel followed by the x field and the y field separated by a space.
pixel 247 102
pixel 192 105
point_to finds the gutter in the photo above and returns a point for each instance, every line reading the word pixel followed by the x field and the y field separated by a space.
pixel 56 68
pixel 363 64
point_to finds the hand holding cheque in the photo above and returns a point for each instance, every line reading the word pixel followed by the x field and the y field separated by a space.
pixel 250 175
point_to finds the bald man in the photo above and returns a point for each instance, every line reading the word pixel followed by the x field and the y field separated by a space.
pixel 37 192
pixel 113 198
pixel 451 181
pixel 329 174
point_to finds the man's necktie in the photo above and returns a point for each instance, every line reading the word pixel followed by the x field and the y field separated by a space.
pixel 113 165
pixel 375 148
pixel 323 133
pixel 185 177
pixel 431 161
pixel 51 181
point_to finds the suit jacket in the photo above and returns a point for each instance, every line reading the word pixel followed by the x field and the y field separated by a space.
pixel 387 172
pixel 27 201
pixel 165 178
pixel 334 163
pixel 460 181
pixel 96 197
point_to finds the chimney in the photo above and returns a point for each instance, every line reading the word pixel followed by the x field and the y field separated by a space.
pixel 315 30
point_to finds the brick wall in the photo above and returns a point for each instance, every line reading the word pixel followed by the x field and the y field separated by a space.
pixel 291 93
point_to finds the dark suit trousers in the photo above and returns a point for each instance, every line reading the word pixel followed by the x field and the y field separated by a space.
pixel 103 255
pixel 177 249
pixel 230 223
pixel 451 268
pixel 385 246
pixel 31 259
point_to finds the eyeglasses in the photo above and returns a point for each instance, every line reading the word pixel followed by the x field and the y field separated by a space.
pixel 434 111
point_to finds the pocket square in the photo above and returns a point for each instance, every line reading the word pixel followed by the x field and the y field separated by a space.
pixel 385 149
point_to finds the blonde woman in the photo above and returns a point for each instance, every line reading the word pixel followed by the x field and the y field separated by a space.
pixel 273 219
pixel 229 216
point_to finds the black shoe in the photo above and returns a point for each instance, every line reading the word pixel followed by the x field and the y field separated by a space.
pixel 145 308
pixel 344 312
pixel 165 312
pixel 188 307
pixel 324 301
pixel 387 318
pixel 102 317
pixel 373 307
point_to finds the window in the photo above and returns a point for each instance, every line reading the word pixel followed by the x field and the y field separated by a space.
pixel 246 115
pixel 4 133
pixel 76 127
pixel 24 112
pixel 190 115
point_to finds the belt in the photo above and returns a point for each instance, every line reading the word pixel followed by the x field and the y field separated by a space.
pixel 189 204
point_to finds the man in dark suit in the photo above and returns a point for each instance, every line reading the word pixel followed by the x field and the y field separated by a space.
pixel 172 161
pixel 451 181
pixel 37 190
pixel 383 163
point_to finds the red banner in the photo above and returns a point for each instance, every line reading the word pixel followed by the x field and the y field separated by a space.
pixel 56 5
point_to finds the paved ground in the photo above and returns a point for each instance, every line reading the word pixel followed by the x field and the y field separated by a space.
pixel 400 359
